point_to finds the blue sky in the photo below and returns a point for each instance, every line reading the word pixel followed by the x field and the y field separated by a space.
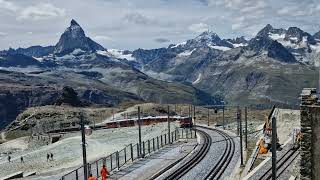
pixel 131 24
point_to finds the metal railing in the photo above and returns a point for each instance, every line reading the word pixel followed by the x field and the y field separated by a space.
pixel 130 153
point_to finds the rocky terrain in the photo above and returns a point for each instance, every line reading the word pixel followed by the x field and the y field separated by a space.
pixel 36 75
pixel 270 68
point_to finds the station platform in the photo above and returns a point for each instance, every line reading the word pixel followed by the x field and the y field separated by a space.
pixel 148 167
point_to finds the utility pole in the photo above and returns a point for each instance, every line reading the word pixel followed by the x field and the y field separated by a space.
pixel 139 124
pixel 240 129
pixel 208 117
pixel 223 117
pixel 246 125
pixel 274 149
pixel 84 151
pixel 169 134
pixel 194 117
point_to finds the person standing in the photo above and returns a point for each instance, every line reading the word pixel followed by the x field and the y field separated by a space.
pixel 9 158
pixel 21 158
pixel 104 173
pixel 51 155
pixel 91 177
pixel 48 157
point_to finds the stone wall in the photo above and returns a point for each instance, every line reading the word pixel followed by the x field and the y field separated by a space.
pixel 310 130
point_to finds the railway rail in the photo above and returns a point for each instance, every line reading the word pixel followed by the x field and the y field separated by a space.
pixel 282 164
pixel 217 169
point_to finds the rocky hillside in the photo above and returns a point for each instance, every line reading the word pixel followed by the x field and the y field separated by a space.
pixel 98 75
pixel 272 67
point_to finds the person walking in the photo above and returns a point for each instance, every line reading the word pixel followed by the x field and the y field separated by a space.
pixel 91 177
pixel 9 158
pixel 21 159
pixel 104 172
pixel 48 157
pixel 51 155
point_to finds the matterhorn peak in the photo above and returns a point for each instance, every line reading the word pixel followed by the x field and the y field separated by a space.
pixel 74 23
pixel 74 38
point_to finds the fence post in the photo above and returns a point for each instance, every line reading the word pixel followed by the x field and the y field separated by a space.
pixel 111 162
pixel 138 150
pixel 165 139
pixel 97 168
pixel 139 123
pixel 154 149
pixel 182 133
pixel 125 154
pixel 77 176
pixel 161 140
pixel 158 142
pixel 118 162
pixel 246 125
pixel 131 149
pixel 169 123
pixel 240 134
pixel 149 146
pixel 143 149
pixel 175 135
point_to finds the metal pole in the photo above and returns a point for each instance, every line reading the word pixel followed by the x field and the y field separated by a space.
pixel 169 124
pixel 238 132
pixel 194 117
pixel 246 125
pixel 274 149
pixel 112 114
pixel 240 129
pixel 223 117
pixel 84 152
pixel 208 116
pixel 139 123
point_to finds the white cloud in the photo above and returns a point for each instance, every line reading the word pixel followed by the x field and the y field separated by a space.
pixel 199 28
pixel 138 18
pixel 102 38
pixel 40 12
pixel 3 34
pixel 8 5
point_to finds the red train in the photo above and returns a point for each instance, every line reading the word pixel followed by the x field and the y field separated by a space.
pixel 184 121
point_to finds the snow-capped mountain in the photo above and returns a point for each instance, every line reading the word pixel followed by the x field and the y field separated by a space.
pixel 74 38
pixel 34 76
pixel 299 43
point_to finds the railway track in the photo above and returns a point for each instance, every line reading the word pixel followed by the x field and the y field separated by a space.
pixel 195 159
pixel 217 169
pixel 282 164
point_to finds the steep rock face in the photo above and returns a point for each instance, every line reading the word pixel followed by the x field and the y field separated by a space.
pixel 317 36
pixel 274 49
pixel 35 51
pixel 74 38
pixel 17 60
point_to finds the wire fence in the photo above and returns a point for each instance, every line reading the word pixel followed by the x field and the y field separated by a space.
pixel 130 153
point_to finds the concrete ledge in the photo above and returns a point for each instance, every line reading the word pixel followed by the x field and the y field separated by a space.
pixel 13 176
pixel 29 174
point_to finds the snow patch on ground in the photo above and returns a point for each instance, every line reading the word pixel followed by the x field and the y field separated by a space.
pixel 276 36
pixel 221 48
pixel 38 58
pixel 198 79
pixel 120 54
pixel 180 44
pixel 239 45
pixel 186 53
pixel 316 47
